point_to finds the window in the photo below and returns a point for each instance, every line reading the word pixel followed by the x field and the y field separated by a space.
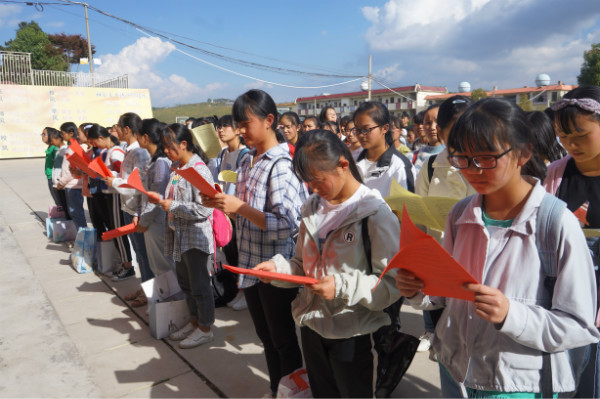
pixel 554 96
pixel 391 100
pixel 355 103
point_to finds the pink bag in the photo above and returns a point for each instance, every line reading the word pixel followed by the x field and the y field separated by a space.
pixel 55 212
pixel 222 229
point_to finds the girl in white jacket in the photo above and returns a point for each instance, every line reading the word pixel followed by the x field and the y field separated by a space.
pixel 339 314
pixel 495 345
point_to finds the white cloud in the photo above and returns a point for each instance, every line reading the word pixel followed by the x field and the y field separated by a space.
pixel 391 73
pixel 139 61
pixel 56 24
pixel 7 13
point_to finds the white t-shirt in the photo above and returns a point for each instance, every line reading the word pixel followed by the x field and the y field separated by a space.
pixel 329 217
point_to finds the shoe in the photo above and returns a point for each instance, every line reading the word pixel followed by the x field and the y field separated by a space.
pixel 133 295
pixel 140 301
pixel 182 333
pixel 124 274
pixel 425 343
pixel 116 270
pixel 240 304
pixel 198 337
pixel 238 296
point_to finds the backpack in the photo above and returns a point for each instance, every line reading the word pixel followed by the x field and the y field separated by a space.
pixel 395 349
pixel 221 226
pixel 221 155
pixel 549 215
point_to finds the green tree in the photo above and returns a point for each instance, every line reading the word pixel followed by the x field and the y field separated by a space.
pixel 73 47
pixel 30 38
pixel 478 94
pixel 524 102
pixel 590 69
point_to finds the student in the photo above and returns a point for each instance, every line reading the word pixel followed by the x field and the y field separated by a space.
pixel 380 162
pixel 434 143
pixel 230 158
pixel 107 203
pixel 496 344
pixel 290 125
pixel 352 141
pixel 49 164
pixel 399 141
pixel 70 183
pixel 328 114
pixel 189 237
pixel 310 123
pixel 437 178
pixel 135 157
pixel 575 179
pixel 420 138
pixel 339 314
pixel 151 222
pixel 333 127
pixel 55 137
pixel 267 210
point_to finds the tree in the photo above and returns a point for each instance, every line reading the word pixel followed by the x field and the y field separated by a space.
pixel 30 38
pixel 478 94
pixel 73 47
pixel 590 69
pixel 524 102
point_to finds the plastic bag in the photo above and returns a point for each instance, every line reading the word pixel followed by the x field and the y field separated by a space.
pixel 294 385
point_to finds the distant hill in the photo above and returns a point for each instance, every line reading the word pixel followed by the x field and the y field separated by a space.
pixel 168 114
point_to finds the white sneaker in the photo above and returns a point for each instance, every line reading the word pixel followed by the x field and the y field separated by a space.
pixel 240 304
pixel 198 337
pixel 238 296
pixel 182 333
pixel 425 343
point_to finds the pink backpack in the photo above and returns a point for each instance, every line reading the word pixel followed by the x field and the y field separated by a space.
pixel 221 226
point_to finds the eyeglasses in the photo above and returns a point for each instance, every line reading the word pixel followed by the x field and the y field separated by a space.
pixel 366 130
pixel 480 161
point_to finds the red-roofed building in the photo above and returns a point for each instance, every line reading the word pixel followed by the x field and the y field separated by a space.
pixel 410 99
pixel 541 97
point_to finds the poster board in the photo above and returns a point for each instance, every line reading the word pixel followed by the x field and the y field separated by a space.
pixel 26 110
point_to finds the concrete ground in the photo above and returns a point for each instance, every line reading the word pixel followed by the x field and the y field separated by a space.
pixel 64 334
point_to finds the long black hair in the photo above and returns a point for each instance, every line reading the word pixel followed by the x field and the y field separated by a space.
pixel 155 130
pixel 451 109
pixel 132 121
pixel 70 127
pixel 96 131
pixel 176 133
pixel 321 150
pixel 496 124
pixel 255 102
pixel 544 137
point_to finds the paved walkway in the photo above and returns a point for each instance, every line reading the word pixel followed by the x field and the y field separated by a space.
pixel 65 334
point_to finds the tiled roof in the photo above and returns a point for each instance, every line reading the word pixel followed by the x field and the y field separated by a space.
pixel 378 91
pixel 504 92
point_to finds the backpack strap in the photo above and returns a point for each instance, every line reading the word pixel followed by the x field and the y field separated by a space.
pixel 367 242
pixel 430 167
pixel 547 236
pixel 458 209
pixel 243 152
pixel 410 178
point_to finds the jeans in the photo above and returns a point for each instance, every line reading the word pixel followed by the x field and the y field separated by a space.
pixel 589 383
pixel 139 246
pixel 75 204
pixel 193 278
pixel 450 388
pixel 54 194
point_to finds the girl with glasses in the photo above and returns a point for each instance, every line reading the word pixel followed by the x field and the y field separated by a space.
pixel 515 338
pixel 380 162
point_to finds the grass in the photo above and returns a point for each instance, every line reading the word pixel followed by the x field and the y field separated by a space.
pixel 168 114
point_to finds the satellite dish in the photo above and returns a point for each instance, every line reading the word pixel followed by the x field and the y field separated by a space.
pixel 542 80
pixel 464 87
pixel 364 86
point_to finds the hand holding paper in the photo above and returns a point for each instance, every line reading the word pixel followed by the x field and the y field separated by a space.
pixel 78 149
pixel 98 166
pixel 134 181
pixel 427 260
pixel 196 179
pixel 81 164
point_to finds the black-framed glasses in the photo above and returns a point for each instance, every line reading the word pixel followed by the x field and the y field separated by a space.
pixel 366 130
pixel 480 161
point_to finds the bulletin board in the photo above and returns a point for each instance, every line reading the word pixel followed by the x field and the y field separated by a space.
pixel 26 110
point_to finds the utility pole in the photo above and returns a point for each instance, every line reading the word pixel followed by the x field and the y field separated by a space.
pixel 369 80
pixel 90 57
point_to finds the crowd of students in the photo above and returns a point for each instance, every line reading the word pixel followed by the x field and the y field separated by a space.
pixel 309 201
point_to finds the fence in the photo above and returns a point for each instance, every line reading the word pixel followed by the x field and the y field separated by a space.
pixel 15 68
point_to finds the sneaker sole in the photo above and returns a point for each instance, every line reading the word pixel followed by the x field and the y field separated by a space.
pixel 188 346
pixel 122 278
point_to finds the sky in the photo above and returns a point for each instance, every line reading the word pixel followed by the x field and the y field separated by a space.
pixel 286 47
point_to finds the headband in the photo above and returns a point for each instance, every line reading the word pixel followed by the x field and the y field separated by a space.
pixel 586 104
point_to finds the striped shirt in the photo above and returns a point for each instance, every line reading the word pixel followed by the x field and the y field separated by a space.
pixel 271 186
pixel 190 217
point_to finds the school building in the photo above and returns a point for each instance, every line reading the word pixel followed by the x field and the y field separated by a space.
pixel 409 99
pixel 541 97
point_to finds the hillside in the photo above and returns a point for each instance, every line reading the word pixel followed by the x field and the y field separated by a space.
pixel 168 114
